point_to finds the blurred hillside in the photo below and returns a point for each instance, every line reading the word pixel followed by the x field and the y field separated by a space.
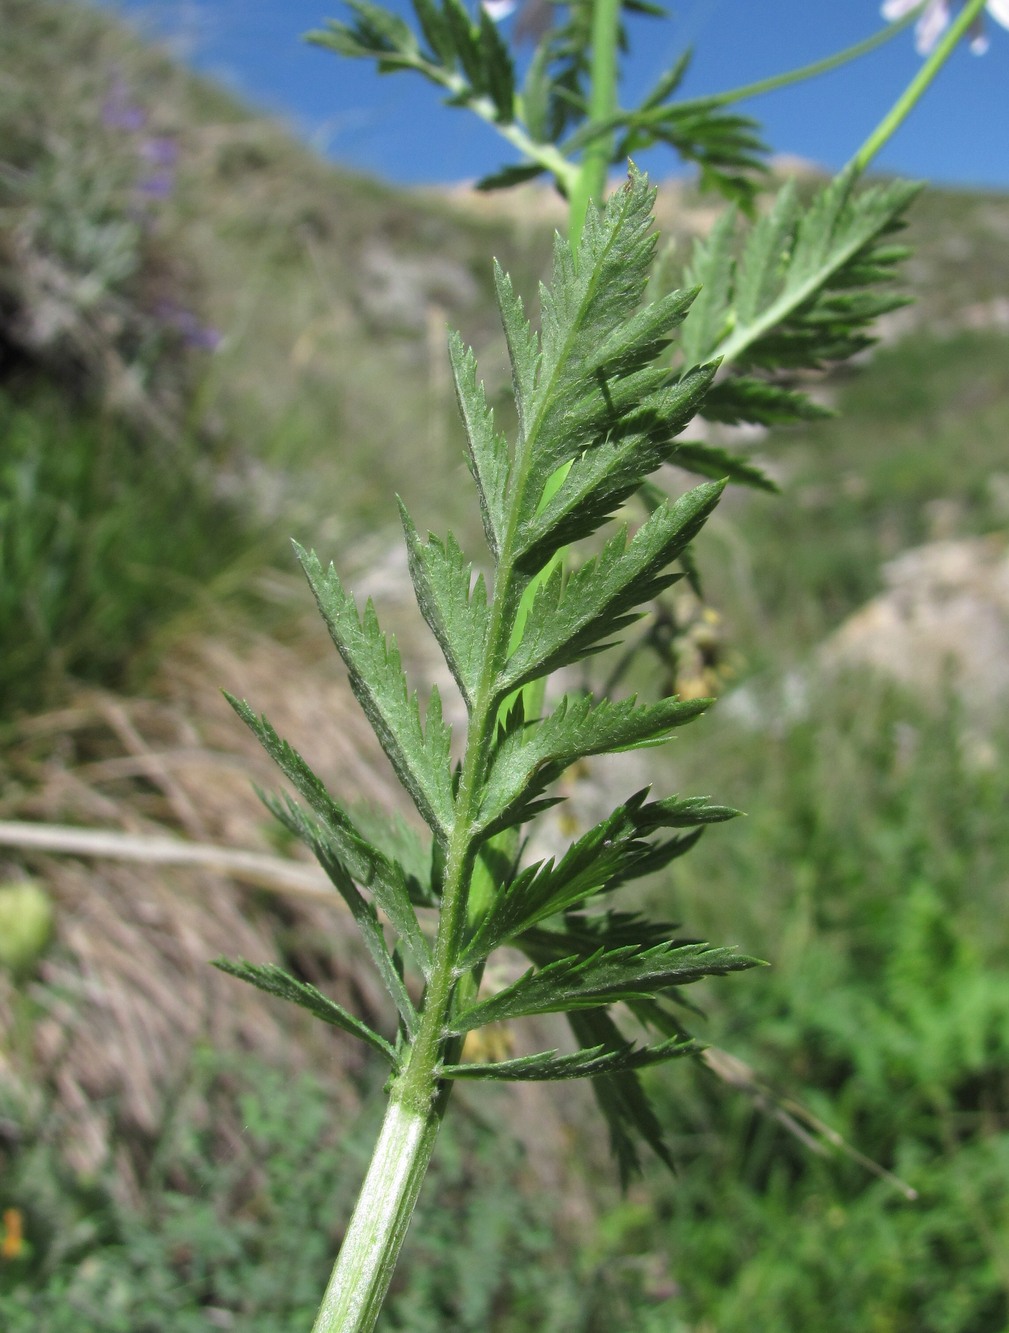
pixel 211 340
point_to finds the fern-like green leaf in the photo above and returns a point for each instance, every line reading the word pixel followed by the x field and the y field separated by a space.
pixel 529 758
pixel 364 912
pixel 621 1098
pixel 420 754
pixel 603 477
pixel 454 607
pixel 364 863
pixel 376 33
pixel 590 298
pixel 436 30
pixel 587 1063
pixel 739 398
pixel 466 41
pixel 604 978
pixel 487 450
pixel 610 854
pixel 787 299
pixel 275 981
pixel 709 460
pixel 570 616
pixel 498 71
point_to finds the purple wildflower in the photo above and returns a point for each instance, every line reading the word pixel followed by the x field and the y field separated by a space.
pixel 183 322
pixel 158 185
pixel 160 151
pixel 120 112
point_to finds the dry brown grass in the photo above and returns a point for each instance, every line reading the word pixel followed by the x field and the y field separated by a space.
pixel 126 992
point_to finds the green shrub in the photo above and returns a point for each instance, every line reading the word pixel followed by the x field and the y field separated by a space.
pixel 876 872
pixel 101 538
pixel 235 1231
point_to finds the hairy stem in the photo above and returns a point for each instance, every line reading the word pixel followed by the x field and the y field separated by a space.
pixel 367 1258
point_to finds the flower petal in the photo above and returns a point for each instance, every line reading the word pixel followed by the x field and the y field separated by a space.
pixel 931 26
pixel 896 9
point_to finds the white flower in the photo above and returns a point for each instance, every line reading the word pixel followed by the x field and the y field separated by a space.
pixel 934 21
pixel 500 9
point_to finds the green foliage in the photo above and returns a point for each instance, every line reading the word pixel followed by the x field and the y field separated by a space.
pixel 604 978
pixel 589 398
pixel 878 887
pixel 275 981
pixel 856 504
pixel 595 413
pixel 798 295
pixel 886 1012
pixel 235 1230
pixel 101 541
pixel 546 115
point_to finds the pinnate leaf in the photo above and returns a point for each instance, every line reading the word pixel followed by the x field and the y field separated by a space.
pixel 621 1098
pixel 366 865
pixel 419 754
pixel 275 981
pixel 454 607
pixel 363 910
pixel 786 300
pixel 603 477
pixel 487 449
pixel 610 854
pixel 529 758
pixel 570 616
pixel 587 1063
pixel 603 978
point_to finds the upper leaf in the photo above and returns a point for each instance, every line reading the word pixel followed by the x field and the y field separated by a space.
pixel 601 478
pixel 590 344
pixel 275 981
pixel 570 616
pixel 605 977
pixel 529 758
pixel 452 605
pixel 419 754
pixel 786 299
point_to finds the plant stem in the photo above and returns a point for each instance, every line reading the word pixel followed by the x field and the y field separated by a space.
pixel 367 1258
pixel 902 108
pixel 590 185
pixel 811 71
pixel 547 155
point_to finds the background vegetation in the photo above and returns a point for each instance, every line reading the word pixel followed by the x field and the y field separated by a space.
pixel 197 320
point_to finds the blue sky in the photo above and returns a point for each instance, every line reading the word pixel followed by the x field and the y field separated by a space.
pixel 395 127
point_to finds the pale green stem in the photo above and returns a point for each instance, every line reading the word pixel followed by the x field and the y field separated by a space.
pixel 367 1257
pixel 547 155
pixel 915 90
pixel 811 71
pixel 590 185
